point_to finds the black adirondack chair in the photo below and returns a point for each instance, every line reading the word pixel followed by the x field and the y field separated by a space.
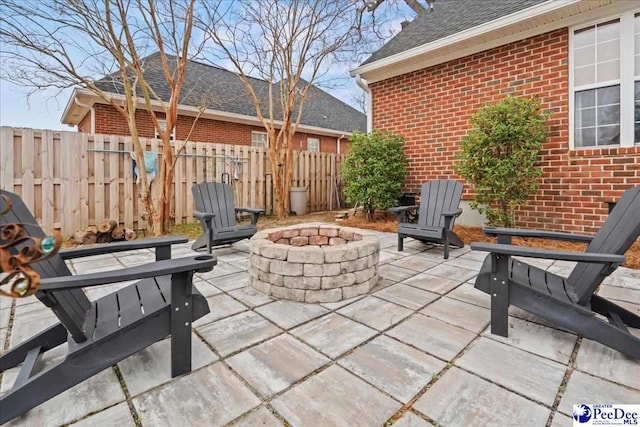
pixel 438 209
pixel 103 332
pixel 568 302
pixel 216 211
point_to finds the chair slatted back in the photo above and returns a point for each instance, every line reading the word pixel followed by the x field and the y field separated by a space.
pixel 436 197
pixel 618 233
pixel 216 198
pixel 70 306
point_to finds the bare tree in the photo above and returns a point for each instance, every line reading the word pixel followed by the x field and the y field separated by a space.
pixel 69 43
pixel 289 45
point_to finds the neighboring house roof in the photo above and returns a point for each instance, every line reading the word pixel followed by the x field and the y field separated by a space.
pixel 458 28
pixel 222 91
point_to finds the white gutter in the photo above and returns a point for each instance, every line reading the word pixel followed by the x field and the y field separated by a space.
pixel 363 85
pixel 92 111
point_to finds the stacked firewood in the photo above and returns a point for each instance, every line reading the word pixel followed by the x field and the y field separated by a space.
pixel 105 232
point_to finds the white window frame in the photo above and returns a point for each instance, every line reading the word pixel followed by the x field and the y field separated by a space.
pixel 163 125
pixel 317 147
pixel 264 143
pixel 626 81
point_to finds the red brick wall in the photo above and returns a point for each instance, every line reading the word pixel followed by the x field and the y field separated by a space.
pixel 110 122
pixel 431 109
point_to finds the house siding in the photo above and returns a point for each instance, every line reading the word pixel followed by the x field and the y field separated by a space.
pixel 110 122
pixel 431 108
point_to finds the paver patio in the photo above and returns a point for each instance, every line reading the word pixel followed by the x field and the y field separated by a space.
pixel 415 351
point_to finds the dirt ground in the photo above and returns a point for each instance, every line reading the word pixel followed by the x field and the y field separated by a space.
pixel 385 222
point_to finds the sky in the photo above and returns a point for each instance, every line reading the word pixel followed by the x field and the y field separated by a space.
pixel 43 108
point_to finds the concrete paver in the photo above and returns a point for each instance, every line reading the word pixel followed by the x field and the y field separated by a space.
pixel 433 336
pixel 211 396
pixel 463 399
pixel 229 335
pixel 275 364
pixel 538 339
pixel 375 313
pixel 352 402
pixel 407 296
pixel 393 367
pixel 259 417
pixel 288 314
pixel 152 366
pixel 333 334
pixel 528 374
pixel 458 313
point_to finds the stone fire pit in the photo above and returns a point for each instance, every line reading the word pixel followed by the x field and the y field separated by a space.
pixel 322 263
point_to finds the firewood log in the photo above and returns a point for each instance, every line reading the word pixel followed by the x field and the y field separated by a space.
pixel 118 233
pixel 103 238
pixel 88 237
pixel 106 226
pixel 129 234
pixel 91 229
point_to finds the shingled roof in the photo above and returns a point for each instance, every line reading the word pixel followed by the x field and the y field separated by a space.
pixel 449 17
pixel 222 90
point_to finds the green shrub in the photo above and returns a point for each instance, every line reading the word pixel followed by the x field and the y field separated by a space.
pixel 499 156
pixel 374 170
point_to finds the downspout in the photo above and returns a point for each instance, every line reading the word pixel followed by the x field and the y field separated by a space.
pixel 338 145
pixel 363 85
pixel 92 111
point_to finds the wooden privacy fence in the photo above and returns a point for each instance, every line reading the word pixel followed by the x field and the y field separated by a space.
pixel 72 180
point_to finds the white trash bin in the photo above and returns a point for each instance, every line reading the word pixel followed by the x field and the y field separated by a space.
pixel 298 200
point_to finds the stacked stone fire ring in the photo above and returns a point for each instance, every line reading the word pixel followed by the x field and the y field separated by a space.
pixel 307 263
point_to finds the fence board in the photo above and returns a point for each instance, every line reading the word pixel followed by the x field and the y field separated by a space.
pixel 47 178
pixel 71 180
pixel 6 159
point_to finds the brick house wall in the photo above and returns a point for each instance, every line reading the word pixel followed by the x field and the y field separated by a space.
pixel 431 109
pixel 110 122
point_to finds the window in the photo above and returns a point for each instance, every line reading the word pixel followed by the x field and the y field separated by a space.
pixel 259 139
pixel 313 144
pixel 602 83
pixel 163 126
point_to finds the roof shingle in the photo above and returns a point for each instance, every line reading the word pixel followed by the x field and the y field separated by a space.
pixel 449 17
pixel 222 90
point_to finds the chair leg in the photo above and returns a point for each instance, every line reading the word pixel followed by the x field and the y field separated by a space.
pixel 181 316
pixel 47 339
pixel 445 242
pixel 604 307
pixel 400 243
pixel 45 385
pixel 499 295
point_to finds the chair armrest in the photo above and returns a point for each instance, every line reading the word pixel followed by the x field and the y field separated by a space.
pixel 250 210
pixel 496 231
pixel 455 213
pixel 160 268
pixel 255 213
pixel 156 242
pixel 400 209
pixel 525 251
pixel 203 215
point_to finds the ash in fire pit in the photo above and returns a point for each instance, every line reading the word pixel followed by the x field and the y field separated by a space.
pixel 313 263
